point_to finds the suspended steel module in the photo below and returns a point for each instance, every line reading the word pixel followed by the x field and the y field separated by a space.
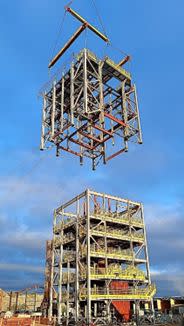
pixel 91 109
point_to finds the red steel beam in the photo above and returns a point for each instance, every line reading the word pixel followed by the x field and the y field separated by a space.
pixel 115 154
pixel 60 132
pixel 78 130
pixel 103 130
pixel 69 151
pixel 108 115
pixel 90 137
pixel 81 144
pixel 110 135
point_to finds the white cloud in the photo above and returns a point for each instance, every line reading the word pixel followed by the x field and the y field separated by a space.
pixel 165 225
pixel 174 279
pixel 24 239
pixel 21 267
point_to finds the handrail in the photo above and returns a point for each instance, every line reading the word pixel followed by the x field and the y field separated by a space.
pixel 114 272
pixel 119 219
pixel 119 235
pixel 129 294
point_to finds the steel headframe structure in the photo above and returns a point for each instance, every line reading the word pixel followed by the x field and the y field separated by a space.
pixel 92 110
pixel 99 258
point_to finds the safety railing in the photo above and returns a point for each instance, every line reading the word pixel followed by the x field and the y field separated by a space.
pixel 115 272
pixel 118 234
pixel 120 294
pixel 68 278
pixel 69 256
pixel 66 223
pixel 114 65
pixel 124 255
pixel 120 220
pixel 118 68
pixel 67 238
pixel 113 253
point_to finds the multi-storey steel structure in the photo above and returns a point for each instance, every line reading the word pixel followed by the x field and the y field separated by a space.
pixel 91 108
pixel 92 111
pixel 99 258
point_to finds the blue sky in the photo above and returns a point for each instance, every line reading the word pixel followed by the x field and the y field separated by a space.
pixel 32 184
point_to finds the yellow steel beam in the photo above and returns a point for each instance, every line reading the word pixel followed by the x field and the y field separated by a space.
pixel 91 27
pixel 67 45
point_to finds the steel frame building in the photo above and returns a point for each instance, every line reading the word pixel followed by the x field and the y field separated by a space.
pixel 99 244
pixel 91 110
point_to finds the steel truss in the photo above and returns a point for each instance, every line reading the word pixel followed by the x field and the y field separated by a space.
pixel 91 111
pixel 99 245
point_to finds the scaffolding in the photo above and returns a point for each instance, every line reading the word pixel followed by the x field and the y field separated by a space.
pixel 99 257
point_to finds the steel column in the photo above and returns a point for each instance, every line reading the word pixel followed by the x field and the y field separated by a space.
pixel 68 292
pixel 62 103
pixel 60 278
pixel 53 110
pixel 88 260
pixel 42 143
pixel 77 264
pixel 124 115
pixel 138 116
pixel 85 81
pixel 147 258
pixel 72 93
pixel 50 312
